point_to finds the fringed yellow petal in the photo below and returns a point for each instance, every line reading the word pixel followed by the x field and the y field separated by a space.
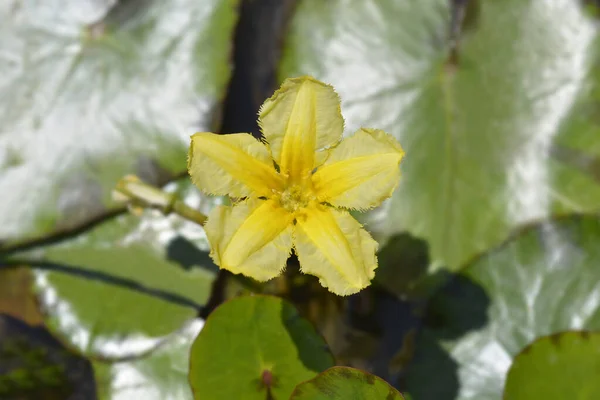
pixel 332 245
pixel 302 116
pixel 237 165
pixel 361 171
pixel 253 238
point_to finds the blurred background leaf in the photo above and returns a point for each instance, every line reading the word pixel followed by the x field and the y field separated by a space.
pixel 161 375
pixel 119 289
pixel 255 347
pixel 93 90
pixel 562 366
pixel 496 104
pixel 543 281
pixel 496 122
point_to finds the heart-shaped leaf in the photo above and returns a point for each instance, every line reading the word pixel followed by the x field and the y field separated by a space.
pixel 543 281
pixel 561 366
pixel 499 131
pixel 160 375
pixel 253 347
pixel 93 90
pixel 118 290
pixel 342 383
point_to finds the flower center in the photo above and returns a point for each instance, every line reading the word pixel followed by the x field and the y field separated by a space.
pixel 295 197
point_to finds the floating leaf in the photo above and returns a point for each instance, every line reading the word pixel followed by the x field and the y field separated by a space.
pixel 342 383
pixel 543 281
pixel 253 347
pixel 90 91
pixel 93 90
pixel 160 375
pixel 561 366
pixel 505 133
pixel 129 282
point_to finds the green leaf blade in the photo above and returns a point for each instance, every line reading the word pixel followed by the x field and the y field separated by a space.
pixel 541 282
pixel 158 375
pixel 480 134
pixel 343 383
pixel 129 282
pixel 251 346
pixel 565 365
pixel 91 91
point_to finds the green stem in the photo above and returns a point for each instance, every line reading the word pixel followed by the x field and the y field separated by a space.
pixel 187 212
pixel 137 194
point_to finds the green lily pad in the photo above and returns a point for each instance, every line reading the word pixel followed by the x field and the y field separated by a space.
pixel 93 90
pixel 160 375
pixel 141 279
pixel 342 383
pixel 561 366
pixel 505 133
pixel 253 347
pixel 541 282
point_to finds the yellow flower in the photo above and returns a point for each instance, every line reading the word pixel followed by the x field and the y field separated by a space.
pixel 294 187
